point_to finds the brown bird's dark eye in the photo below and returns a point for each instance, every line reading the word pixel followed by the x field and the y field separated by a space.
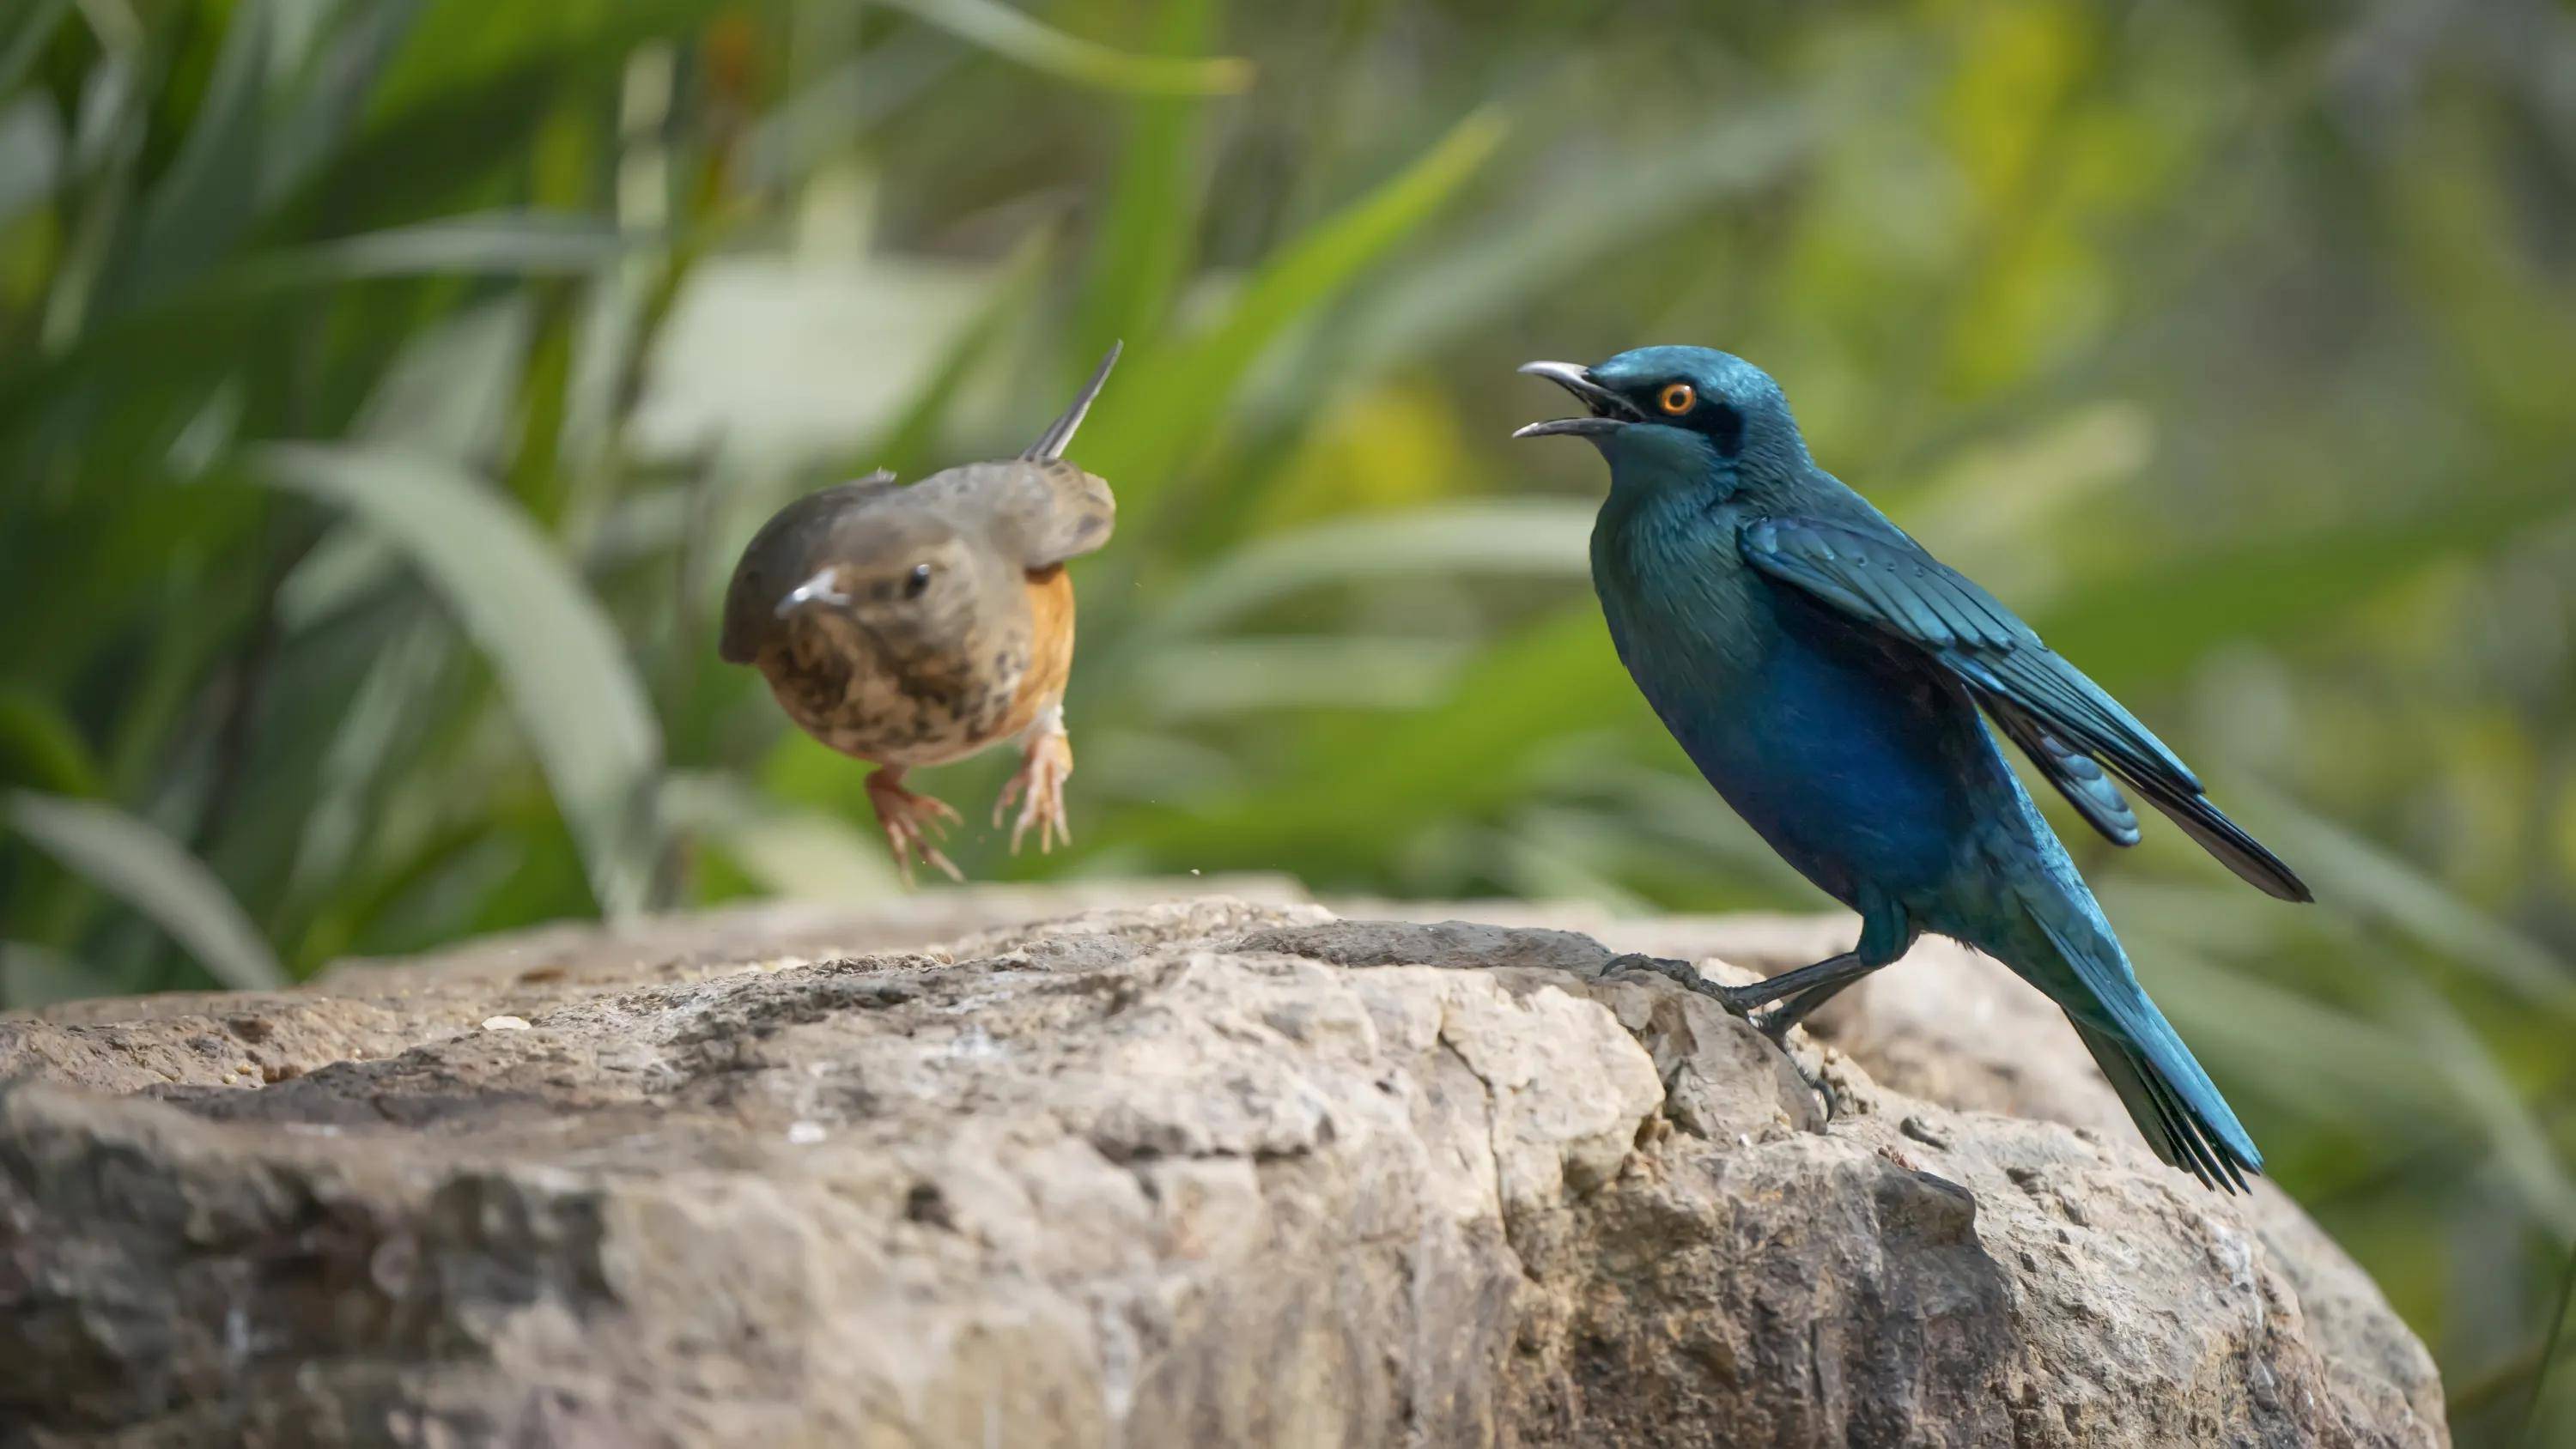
pixel 916 581
pixel 1676 398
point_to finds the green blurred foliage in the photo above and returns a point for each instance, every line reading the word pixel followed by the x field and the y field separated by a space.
pixel 386 386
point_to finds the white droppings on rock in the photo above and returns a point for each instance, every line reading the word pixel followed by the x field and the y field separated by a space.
pixel 805 1134
pixel 504 1023
pixel 973 1044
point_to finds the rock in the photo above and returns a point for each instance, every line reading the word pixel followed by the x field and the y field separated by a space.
pixel 1209 1172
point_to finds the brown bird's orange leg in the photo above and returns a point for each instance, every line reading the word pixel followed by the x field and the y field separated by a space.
pixel 911 823
pixel 1046 758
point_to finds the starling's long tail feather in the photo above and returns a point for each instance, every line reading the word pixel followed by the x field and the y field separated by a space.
pixel 2170 1126
pixel 1059 434
pixel 2176 1106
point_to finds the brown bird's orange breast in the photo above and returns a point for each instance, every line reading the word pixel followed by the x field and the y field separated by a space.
pixel 1050 647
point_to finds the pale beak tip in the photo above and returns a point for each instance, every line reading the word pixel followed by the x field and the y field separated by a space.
pixel 816 590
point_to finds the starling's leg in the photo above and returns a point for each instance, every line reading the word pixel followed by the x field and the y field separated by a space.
pixel 1885 932
pixel 1836 971
pixel 1046 758
pixel 911 822
pixel 1776 1022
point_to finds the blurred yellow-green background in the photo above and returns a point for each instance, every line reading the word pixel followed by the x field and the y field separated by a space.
pixel 387 385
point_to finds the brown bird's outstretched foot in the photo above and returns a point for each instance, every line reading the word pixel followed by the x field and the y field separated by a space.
pixel 1045 760
pixel 911 823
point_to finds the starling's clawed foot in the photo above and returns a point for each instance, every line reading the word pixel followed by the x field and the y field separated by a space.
pixel 1775 1024
pixel 1781 1019
pixel 1738 1001
pixel 1745 1001
pixel 912 822
pixel 1815 1080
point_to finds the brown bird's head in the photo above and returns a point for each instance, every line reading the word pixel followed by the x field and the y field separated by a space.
pixel 865 569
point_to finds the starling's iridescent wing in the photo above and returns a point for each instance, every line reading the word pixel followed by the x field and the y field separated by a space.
pixel 2066 721
pixel 2075 774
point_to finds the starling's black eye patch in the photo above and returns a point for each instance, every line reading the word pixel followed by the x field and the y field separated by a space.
pixel 1725 428
pixel 917 581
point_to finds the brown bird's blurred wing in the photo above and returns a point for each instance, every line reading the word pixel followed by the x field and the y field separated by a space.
pixel 785 553
pixel 1040 513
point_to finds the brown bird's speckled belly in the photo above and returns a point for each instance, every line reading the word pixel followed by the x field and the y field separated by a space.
pixel 926 710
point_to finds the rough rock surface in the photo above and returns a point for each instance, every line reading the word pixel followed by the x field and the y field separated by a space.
pixel 1212 1172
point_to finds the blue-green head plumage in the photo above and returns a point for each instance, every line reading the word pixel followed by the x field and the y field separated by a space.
pixel 1689 417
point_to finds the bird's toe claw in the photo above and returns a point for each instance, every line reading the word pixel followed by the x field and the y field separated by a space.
pixel 1045 814
pixel 912 822
pixel 1041 780
pixel 1815 1083
pixel 910 843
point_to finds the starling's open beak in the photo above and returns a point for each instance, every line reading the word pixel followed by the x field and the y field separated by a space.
pixel 816 590
pixel 1610 412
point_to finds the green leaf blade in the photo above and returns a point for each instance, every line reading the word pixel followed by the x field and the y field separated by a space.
pixel 560 660
pixel 134 861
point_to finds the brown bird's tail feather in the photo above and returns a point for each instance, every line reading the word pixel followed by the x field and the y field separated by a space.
pixel 1052 443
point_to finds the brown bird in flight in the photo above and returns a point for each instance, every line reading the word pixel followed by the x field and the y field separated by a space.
pixel 915 626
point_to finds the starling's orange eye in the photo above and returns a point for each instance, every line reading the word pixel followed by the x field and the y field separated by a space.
pixel 1676 399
